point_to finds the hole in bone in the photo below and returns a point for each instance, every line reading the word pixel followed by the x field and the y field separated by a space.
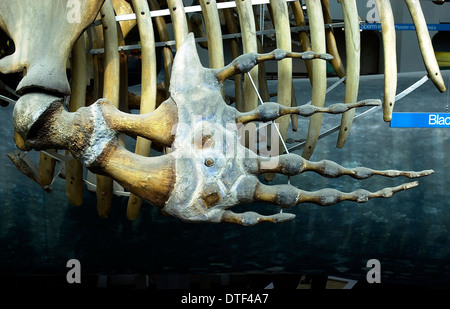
pixel 209 162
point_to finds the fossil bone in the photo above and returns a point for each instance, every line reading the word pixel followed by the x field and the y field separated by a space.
pixel 353 48
pixel 247 24
pixel 319 82
pixel 45 70
pixel 111 92
pixel 213 32
pixel 148 96
pixel 74 169
pixel 179 21
pixel 390 56
pixel 426 47
pixel 337 64
pixel 209 171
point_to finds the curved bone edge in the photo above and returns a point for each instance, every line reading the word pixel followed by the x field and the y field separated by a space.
pixel 304 37
pixel 236 51
pixel 73 168
pixel 122 7
pixel 390 56
pixel 157 126
pixel 111 91
pixel 425 44
pixel 188 72
pixel 213 33
pixel 246 62
pixel 250 45
pixel 150 178
pixel 43 123
pixel 33 110
pixel 270 111
pixel 319 83
pixel 251 218
pixel 337 63
pixel 27 167
pixel 45 70
pixel 164 36
pixel 179 20
pixel 149 81
pixel 287 196
pixel 292 164
pixel 353 51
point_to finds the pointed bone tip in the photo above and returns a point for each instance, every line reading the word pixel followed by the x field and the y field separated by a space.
pixel 427 172
pixel 327 57
pixel 284 217
pixel 410 185
pixel 189 39
pixel 373 102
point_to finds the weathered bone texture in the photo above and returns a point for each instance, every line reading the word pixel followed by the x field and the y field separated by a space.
pixel 29 23
pixel 353 50
pixel 208 171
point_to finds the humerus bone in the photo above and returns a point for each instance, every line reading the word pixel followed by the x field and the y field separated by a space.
pixel 29 23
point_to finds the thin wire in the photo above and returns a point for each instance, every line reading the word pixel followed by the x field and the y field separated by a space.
pixel 274 124
pixel 260 99
pixel 398 97
pixel 7 99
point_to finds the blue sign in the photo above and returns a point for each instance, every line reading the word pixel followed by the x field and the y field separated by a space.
pixel 420 120
pixel 407 27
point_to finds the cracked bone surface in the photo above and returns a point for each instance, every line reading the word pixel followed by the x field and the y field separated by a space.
pixel 208 171
pixel 29 23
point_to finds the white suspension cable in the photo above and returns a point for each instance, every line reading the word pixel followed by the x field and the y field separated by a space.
pixel 398 97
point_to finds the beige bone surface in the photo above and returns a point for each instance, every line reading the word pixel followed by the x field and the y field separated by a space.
pixel 209 171
pixel 29 23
